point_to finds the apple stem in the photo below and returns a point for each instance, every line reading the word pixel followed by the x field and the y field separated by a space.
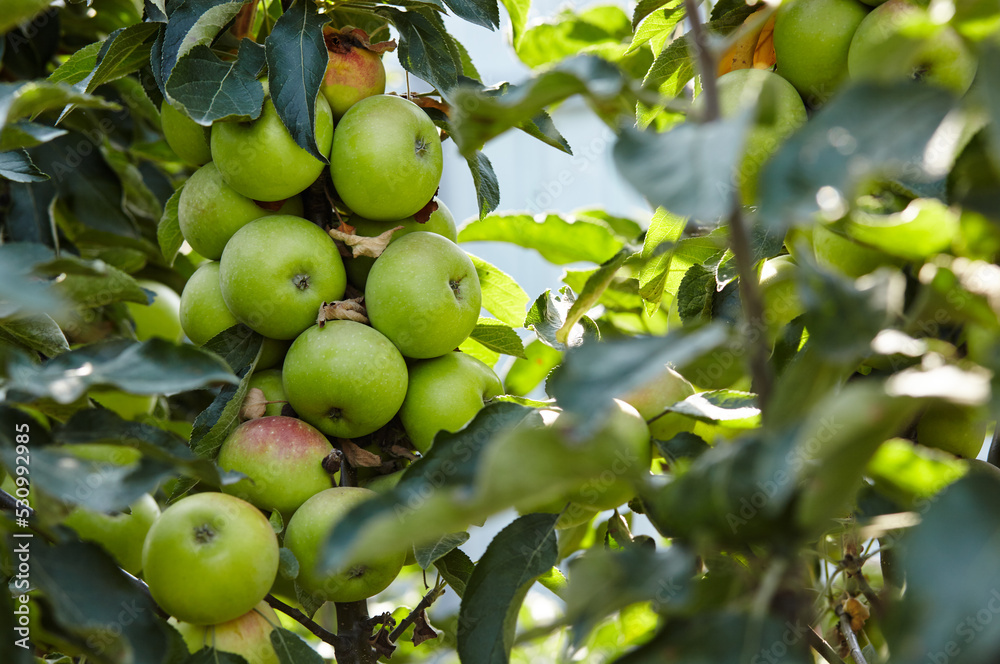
pixel 753 304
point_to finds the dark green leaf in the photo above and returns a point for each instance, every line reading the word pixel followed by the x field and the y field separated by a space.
pixel 696 294
pixel 192 23
pixel 548 315
pixel 26 100
pixel 985 86
pixel 557 238
pixel 485 181
pixel 456 568
pixel 17 166
pixel 211 89
pixel 502 296
pixel 38 333
pixel 24 134
pixel 865 133
pixel 291 649
pixel 498 337
pixel 481 12
pixel 124 51
pixel 425 46
pixel 109 285
pixel 519 554
pixel 16 13
pixel 428 554
pixel 20 290
pixel 78 66
pixel 168 231
pixel 296 62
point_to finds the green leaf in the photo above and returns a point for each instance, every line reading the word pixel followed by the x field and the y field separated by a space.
pixel 593 373
pixel 569 33
pixel 296 63
pixel 665 230
pixel 866 132
pixel 487 356
pixel 17 166
pixel 591 293
pixel 191 23
pixel 688 170
pixel 940 613
pixel 124 51
pixel 36 332
pixel 425 48
pixel 518 555
pixel 428 554
pixel 518 11
pixel 20 289
pixel 149 367
pixel 18 12
pixel 109 285
pixel 485 181
pixel 655 19
pixel 481 12
pixel 502 296
pixel 168 231
pixel 696 294
pixel 498 337
pixel 292 649
pixel 910 473
pixel 25 134
pixel 548 315
pixel 526 374
pixel 455 567
pixel 729 407
pixel 77 66
pixel 557 238
pixel 210 89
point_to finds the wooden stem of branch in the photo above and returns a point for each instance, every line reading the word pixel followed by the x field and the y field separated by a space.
pixel 244 20
pixel 304 620
pixel 852 639
pixel 753 304
pixel 354 628
pixel 824 649
pixel 316 203
pixel 427 600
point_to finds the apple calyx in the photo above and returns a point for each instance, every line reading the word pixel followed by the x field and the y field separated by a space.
pixel 333 461
pixel 347 38
pixel 361 245
pixel 301 281
pixel 350 309
pixel 204 533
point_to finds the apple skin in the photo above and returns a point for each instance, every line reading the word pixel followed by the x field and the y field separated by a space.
pixel 423 293
pixel 248 636
pixel 841 253
pixel 261 160
pixel 739 90
pixel 942 59
pixel 188 139
pixel 386 158
pixel 277 271
pixel 282 458
pixel 122 535
pixel 210 558
pixel 126 406
pixel 780 294
pixel 441 222
pixel 161 317
pixel 346 379
pixel 210 211
pixel 268 381
pixel 306 534
pixel 444 394
pixel 811 41
pixel 350 77
pixel 651 399
pixel 960 430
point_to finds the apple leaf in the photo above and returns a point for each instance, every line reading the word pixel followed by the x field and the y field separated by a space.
pixel 210 89
pixel 664 231
pixel 20 289
pixel 944 613
pixel 729 407
pixel 26 100
pixel 502 296
pixel 485 181
pixel 985 88
pixel 524 375
pixel 168 231
pixel 455 567
pixel 191 23
pixel 518 555
pixel 35 332
pixel 473 348
pixel 865 132
pixel 149 367
pixel 426 49
pixel 593 373
pixel 591 293
pixel 77 66
pixel 481 12
pixel 601 30
pixel 548 315
pixel 105 610
pixel 124 51
pixel 291 649
pixel 910 473
pixel 296 63
pixel 19 12
pixel 498 337
pixel 17 166
pixel 427 554
pixel 560 239
pixel 655 20
pixel 25 134
pixel 94 290
pixel 518 11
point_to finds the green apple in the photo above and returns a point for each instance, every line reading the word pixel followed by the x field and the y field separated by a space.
pixel 811 42
pixel 883 48
pixel 441 222
pixel 188 139
pixel 203 310
pixel 248 635
pixel 384 483
pixel 423 293
pixel 353 73
pixel 306 534
pixel 779 113
pixel 261 160
pixel 960 430
pixel 277 271
pixel 159 318
pixel 122 534
pixel 780 294
pixel 838 252
pixel 126 406
pixel 210 211
pixel 345 378
pixel 268 381
pixel 386 159
pixel 444 394
pixel 282 458
pixel 651 399
pixel 210 558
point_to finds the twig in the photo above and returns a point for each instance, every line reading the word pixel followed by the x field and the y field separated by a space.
pixel 304 620
pixel 824 649
pixel 427 600
pixel 354 629
pixel 852 639
pixel 753 305
pixel 244 21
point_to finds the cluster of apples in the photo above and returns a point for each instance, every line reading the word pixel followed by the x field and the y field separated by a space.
pixel 342 367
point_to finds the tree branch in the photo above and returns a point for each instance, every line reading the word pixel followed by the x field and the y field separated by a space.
pixel 427 600
pixel 852 639
pixel 753 304
pixel 824 649
pixel 304 620
pixel 354 628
